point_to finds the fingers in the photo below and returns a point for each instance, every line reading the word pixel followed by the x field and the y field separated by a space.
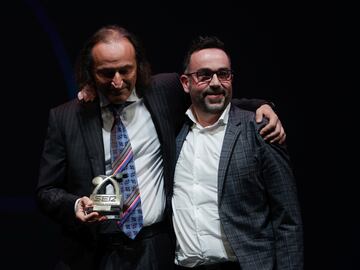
pixel 271 129
pixel 86 201
pixel 282 136
pixel 277 135
pixel 81 212
pixel 83 215
pixel 258 116
pixel 264 110
pixel 91 217
pixel 86 94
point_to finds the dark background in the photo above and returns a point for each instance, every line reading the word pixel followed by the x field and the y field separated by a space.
pixel 279 54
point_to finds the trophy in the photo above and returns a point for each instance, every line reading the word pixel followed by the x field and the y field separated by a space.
pixel 109 205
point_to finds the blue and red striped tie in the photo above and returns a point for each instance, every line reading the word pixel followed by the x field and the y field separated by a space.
pixel 122 161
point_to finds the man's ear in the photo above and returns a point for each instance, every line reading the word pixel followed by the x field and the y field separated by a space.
pixel 185 83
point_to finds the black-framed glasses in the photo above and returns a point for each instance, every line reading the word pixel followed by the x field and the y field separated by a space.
pixel 206 75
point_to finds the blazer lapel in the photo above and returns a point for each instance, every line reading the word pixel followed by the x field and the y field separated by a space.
pixel 182 136
pixel 232 132
pixel 91 128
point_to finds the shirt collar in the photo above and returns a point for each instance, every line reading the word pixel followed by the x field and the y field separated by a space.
pixel 223 119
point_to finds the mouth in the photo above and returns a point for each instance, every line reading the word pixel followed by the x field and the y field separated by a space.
pixel 115 92
pixel 215 92
pixel 214 99
pixel 215 95
pixel 211 96
pixel 118 91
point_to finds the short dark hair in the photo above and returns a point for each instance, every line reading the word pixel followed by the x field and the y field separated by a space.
pixel 84 64
pixel 204 42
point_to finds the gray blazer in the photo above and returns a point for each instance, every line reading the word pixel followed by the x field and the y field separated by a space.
pixel 257 196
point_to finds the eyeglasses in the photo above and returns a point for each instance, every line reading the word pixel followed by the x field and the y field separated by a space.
pixel 206 75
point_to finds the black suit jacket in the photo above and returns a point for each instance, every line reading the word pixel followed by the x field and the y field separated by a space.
pixel 257 197
pixel 73 155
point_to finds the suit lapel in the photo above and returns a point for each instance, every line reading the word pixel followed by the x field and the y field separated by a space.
pixel 232 132
pixel 91 128
pixel 182 136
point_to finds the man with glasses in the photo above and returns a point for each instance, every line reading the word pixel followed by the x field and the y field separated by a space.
pixel 235 202
pixel 119 103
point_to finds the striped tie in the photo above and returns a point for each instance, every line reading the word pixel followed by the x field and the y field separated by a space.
pixel 122 161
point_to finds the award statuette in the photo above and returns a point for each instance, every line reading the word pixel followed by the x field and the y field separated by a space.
pixel 109 205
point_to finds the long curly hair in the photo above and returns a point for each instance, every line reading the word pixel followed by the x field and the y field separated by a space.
pixel 84 64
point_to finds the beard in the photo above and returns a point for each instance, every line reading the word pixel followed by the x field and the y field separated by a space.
pixel 213 100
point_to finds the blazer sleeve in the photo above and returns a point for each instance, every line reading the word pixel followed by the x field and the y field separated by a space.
pixel 251 104
pixel 52 198
pixel 168 85
pixel 284 206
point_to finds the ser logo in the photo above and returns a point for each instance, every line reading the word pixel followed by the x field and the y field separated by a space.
pixel 104 198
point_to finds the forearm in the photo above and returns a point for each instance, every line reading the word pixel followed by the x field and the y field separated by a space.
pixel 251 104
pixel 57 204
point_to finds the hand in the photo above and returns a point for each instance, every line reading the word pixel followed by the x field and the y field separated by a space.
pixel 85 217
pixel 273 131
pixel 86 94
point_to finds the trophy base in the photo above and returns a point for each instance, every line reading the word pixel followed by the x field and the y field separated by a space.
pixel 111 212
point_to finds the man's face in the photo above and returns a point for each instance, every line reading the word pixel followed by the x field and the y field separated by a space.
pixel 114 69
pixel 210 82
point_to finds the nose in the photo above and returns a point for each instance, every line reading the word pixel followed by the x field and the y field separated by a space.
pixel 214 80
pixel 117 80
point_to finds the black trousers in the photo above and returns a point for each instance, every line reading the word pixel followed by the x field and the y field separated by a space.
pixel 152 249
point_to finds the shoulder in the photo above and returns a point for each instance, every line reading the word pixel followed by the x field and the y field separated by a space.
pixel 67 107
pixel 168 86
pixel 165 80
pixel 161 77
pixel 240 115
pixel 69 110
pixel 245 118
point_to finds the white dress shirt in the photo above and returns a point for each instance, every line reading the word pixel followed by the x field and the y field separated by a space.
pixel 147 155
pixel 200 238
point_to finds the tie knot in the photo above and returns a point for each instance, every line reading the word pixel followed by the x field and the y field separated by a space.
pixel 116 108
